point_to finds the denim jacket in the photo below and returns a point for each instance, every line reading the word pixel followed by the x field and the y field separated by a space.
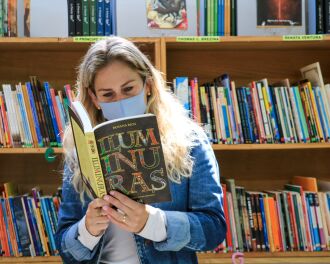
pixel 195 217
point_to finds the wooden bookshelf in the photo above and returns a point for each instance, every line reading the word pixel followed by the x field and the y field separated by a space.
pixel 211 258
pixel 254 166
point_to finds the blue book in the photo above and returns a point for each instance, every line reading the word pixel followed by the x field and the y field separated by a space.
pixel 311 12
pixel 221 16
pixel 325 120
pixel 34 114
pixel 107 18
pixel 100 17
pixel 52 113
pixel 28 138
pixel 29 223
pixel 273 116
pixel 22 229
pixel 202 17
pixel 48 227
pixel 310 220
pixel 10 199
pixel 264 224
pixel 35 228
pixel 61 111
pixel 114 17
pixel 247 116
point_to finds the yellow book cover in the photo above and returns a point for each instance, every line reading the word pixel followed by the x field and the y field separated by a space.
pixel 123 154
pixel 30 117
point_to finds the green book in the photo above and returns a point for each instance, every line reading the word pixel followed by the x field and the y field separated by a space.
pixel 85 17
pixel 1 19
pixel 92 17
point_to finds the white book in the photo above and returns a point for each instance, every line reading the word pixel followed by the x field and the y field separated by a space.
pixel 12 121
pixel 48 18
pixel 132 20
pixel 255 18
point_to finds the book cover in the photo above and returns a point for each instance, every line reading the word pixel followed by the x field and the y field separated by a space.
pixel 124 155
pixel 167 14
pixel 271 17
pixel 137 25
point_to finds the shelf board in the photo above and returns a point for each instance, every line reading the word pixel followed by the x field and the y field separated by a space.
pixel 271 146
pixel 261 257
pixel 216 147
pixel 28 150
pixel 248 43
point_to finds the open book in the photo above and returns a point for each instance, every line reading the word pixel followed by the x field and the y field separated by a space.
pixel 123 154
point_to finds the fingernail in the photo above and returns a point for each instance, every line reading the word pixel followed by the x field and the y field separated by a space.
pixel 105 207
pixel 107 197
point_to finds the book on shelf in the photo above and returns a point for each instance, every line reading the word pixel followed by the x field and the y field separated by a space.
pixel 288 219
pixel 122 154
pixel 259 17
pixel 27 223
pixel 260 112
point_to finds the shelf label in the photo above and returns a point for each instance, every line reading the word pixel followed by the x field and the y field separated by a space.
pixel 88 39
pixel 302 37
pixel 198 39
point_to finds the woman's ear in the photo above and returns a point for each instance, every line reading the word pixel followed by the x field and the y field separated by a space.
pixel 148 87
pixel 94 99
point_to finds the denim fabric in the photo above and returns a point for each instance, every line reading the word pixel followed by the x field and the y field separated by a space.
pixel 195 217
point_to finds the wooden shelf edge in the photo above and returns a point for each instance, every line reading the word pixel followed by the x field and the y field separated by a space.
pixel 65 40
pixel 28 150
pixel 216 147
pixel 249 39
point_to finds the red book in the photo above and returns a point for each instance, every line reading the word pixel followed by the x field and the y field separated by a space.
pixel 225 206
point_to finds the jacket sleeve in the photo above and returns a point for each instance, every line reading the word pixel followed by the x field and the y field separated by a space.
pixel 70 213
pixel 203 226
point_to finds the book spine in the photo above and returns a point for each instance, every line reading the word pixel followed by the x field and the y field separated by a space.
pixel 327 16
pixel 72 17
pixel 319 17
pixel 92 18
pixel 97 177
pixel 85 17
pixel 1 19
pixel 100 17
pixel 51 108
pixel 301 114
pixel 79 22
pixel 35 114
pixel 107 18
pixel 10 200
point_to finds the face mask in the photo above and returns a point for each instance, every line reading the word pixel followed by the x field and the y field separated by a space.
pixel 134 105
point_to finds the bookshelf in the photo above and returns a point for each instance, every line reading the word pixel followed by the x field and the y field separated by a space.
pixel 256 167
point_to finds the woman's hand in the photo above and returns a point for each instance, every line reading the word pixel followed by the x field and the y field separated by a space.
pixel 131 216
pixel 96 218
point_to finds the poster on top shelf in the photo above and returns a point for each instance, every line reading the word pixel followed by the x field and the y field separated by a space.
pixel 134 20
pixel 169 14
pixel 271 17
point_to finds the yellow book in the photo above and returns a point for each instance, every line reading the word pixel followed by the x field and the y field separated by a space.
pixel 30 117
pixel 123 154
pixel 268 223
pixel 315 112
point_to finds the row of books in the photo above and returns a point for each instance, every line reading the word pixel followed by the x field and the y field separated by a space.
pixel 28 224
pixel 33 114
pixel 294 219
pixel 155 18
pixel 91 17
pixel 258 113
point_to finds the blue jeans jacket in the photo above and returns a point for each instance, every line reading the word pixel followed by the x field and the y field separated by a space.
pixel 195 218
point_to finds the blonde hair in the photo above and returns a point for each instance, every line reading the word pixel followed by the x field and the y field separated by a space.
pixel 178 132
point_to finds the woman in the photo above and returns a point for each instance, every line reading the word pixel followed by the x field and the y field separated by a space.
pixel 116 80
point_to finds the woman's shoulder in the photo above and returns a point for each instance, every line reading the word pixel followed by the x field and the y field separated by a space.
pixel 199 142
